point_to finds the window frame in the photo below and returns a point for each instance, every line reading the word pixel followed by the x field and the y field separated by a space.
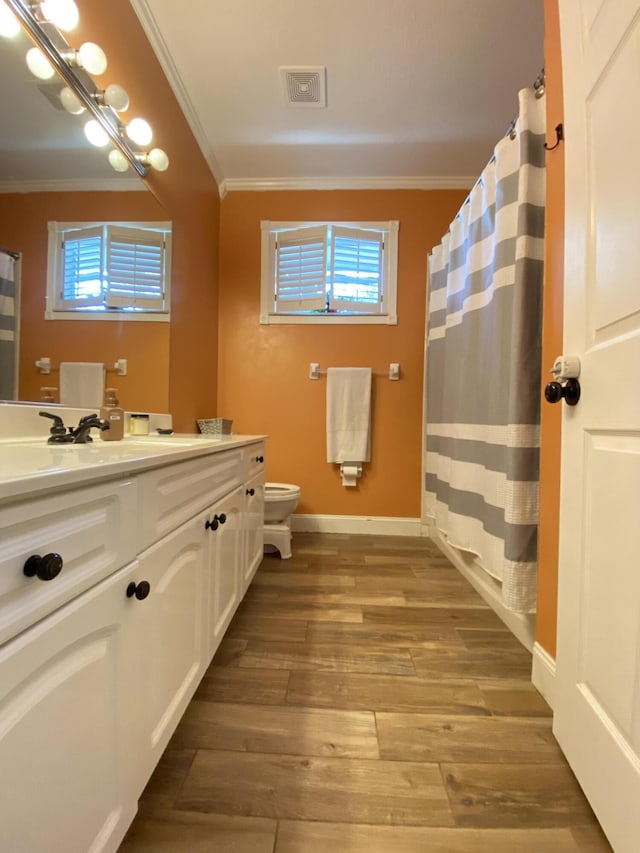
pixel 54 305
pixel 388 316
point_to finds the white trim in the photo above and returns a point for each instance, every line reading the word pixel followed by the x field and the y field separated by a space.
pixel 328 319
pixel 145 16
pixel 370 524
pixel 341 183
pixel 73 186
pixel 543 673
pixel 522 625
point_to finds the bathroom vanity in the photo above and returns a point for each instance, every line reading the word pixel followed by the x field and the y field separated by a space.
pixel 159 540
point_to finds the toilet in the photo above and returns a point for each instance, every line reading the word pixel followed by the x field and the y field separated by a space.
pixel 280 500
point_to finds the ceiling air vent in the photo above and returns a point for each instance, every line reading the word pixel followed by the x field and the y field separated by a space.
pixel 304 87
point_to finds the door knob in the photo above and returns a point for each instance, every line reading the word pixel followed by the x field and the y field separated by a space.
pixel 569 392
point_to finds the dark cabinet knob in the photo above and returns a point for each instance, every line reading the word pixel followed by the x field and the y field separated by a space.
pixel 570 392
pixel 259 458
pixel 215 521
pixel 44 568
pixel 251 492
pixel 141 590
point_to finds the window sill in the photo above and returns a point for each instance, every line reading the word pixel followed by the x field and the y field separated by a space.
pixel 107 316
pixel 330 319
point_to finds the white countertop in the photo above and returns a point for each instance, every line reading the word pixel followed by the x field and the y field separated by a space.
pixel 31 466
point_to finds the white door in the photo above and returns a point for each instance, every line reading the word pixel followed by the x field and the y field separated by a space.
pixel 597 719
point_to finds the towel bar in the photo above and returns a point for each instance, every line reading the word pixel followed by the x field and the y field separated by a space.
pixel 315 371
pixel 120 367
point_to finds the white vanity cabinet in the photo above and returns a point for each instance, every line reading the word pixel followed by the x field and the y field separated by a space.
pixel 252 527
pixel 100 662
pixel 164 631
pixel 63 706
pixel 224 541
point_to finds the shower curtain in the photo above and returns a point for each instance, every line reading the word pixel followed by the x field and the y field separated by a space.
pixel 7 327
pixel 483 364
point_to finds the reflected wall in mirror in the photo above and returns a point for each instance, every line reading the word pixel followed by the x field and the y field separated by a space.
pixel 50 172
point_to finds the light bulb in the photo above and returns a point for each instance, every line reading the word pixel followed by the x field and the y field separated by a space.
pixel 158 159
pixel 116 98
pixel 71 102
pixel 139 131
pixel 9 26
pixel 95 133
pixel 39 65
pixel 118 160
pixel 92 58
pixel 62 13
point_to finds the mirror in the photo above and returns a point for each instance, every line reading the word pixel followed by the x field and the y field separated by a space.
pixel 50 172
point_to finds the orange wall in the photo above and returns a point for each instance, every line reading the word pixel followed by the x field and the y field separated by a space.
pixel 551 416
pixel 189 195
pixel 23 226
pixel 263 377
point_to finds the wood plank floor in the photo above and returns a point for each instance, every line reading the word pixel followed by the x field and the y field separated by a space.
pixel 365 700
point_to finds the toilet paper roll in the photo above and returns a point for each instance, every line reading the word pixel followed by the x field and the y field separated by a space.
pixel 350 473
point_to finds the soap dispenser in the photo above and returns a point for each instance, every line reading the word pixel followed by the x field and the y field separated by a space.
pixel 114 416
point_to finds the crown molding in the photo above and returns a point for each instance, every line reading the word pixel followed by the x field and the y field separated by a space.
pixel 71 185
pixel 343 183
pixel 148 22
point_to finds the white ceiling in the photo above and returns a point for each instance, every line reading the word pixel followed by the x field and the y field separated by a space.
pixel 416 89
pixel 418 92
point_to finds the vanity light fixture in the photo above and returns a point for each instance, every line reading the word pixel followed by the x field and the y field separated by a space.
pixel 42 22
pixel 9 25
pixel 62 13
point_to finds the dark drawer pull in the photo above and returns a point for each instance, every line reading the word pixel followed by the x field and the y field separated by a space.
pixel 259 458
pixel 251 492
pixel 44 568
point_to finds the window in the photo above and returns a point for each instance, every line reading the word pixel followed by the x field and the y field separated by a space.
pixel 108 270
pixel 329 272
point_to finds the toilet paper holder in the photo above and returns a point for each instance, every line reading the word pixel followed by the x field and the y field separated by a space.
pixel 350 472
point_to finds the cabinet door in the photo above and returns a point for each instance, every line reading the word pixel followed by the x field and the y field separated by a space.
pixel 63 785
pixel 166 635
pixel 224 563
pixel 253 524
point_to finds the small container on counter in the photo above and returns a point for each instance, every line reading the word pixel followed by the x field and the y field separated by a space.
pixel 114 415
pixel 138 424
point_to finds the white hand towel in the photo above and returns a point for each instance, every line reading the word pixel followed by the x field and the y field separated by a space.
pixel 82 384
pixel 348 414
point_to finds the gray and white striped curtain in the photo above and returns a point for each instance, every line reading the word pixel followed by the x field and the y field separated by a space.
pixel 483 364
pixel 7 327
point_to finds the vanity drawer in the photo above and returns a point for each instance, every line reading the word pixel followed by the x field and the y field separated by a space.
pixel 92 529
pixel 173 494
pixel 254 459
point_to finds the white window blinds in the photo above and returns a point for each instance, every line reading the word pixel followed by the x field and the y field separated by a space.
pixel 113 267
pixel 356 270
pixel 81 280
pixel 135 268
pixel 301 269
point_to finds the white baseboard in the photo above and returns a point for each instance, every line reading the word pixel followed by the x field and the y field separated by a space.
pixel 371 524
pixel 522 625
pixel 543 674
